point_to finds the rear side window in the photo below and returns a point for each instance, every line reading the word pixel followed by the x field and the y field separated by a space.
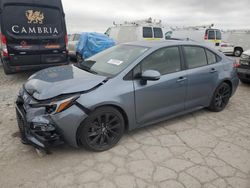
pixel 218 35
pixel 158 32
pixel 147 32
pixel 166 60
pixel 211 57
pixel 195 56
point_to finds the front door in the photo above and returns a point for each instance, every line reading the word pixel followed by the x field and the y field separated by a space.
pixel 162 98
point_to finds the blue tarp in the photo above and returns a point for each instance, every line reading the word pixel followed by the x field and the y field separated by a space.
pixel 92 43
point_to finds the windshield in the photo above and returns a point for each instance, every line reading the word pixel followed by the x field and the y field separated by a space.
pixel 113 60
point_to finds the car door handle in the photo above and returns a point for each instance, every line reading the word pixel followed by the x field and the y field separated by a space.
pixel 213 70
pixel 181 79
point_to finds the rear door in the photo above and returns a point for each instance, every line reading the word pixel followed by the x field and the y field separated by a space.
pixel 35 34
pixel 213 37
pixel 202 75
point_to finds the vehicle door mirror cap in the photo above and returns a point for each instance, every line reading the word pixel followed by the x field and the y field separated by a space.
pixel 151 75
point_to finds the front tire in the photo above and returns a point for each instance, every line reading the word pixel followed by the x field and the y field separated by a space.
pixel 102 129
pixel 220 98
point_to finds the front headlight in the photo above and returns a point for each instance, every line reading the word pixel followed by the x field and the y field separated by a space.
pixel 57 105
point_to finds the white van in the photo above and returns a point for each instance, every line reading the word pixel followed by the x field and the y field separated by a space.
pixel 240 40
pixel 203 34
pixel 136 31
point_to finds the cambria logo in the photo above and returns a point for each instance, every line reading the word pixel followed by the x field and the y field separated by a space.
pixel 34 17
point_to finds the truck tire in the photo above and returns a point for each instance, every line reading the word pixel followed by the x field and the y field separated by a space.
pixel 238 51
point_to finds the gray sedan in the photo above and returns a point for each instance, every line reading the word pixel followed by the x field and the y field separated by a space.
pixel 128 86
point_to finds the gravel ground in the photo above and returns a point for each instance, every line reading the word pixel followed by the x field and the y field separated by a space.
pixel 202 149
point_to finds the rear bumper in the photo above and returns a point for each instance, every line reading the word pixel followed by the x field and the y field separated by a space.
pixel 243 73
pixel 19 68
pixel 72 54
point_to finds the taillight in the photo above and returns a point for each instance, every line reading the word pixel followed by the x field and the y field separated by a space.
pixel 5 53
pixel 66 39
pixel 224 45
pixel 236 64
pixel 4 46
pixel 206 37
pixel 3 39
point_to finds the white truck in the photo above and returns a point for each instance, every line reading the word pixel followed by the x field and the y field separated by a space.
pixel 136 31
pixel 205 34
pixel 240 40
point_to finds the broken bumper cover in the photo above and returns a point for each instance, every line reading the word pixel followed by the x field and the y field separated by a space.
pixel 43 130
pixel 40 135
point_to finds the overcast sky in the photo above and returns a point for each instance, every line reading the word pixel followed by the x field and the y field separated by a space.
pixel 98 15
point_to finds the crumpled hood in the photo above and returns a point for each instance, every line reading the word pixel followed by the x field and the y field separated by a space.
pixel 55 81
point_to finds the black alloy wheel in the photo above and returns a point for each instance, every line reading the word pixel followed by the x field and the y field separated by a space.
pixel 102 129
pixel 221 98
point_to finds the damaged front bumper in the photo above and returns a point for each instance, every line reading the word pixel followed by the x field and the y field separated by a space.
pixel 42 129
pixel 41 132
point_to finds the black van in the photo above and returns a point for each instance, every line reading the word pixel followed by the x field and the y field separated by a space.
pixel 33 34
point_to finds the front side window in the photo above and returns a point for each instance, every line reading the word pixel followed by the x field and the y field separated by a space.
pixel 195 56
pixel 147 32
pixel 165 60
pixel 158 32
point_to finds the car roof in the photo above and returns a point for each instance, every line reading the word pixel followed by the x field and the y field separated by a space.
pixel 155 43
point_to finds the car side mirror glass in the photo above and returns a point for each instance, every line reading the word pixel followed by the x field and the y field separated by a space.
pixel 150 75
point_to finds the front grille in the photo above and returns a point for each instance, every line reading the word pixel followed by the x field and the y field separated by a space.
pixel 244 56
pixel 244 62
pixel 20 121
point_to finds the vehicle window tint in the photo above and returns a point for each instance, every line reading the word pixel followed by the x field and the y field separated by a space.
pixel 166 60
pixel 195 56
pixel 211 57
pixel 147 32
pixel 218 35
pixel 158 32
pixel 211 35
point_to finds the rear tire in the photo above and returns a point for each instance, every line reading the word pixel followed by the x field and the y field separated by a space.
pixel 102 129
pixel 6 68
pixel 220 98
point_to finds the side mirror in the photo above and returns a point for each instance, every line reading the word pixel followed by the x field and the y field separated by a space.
pixel 150 75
